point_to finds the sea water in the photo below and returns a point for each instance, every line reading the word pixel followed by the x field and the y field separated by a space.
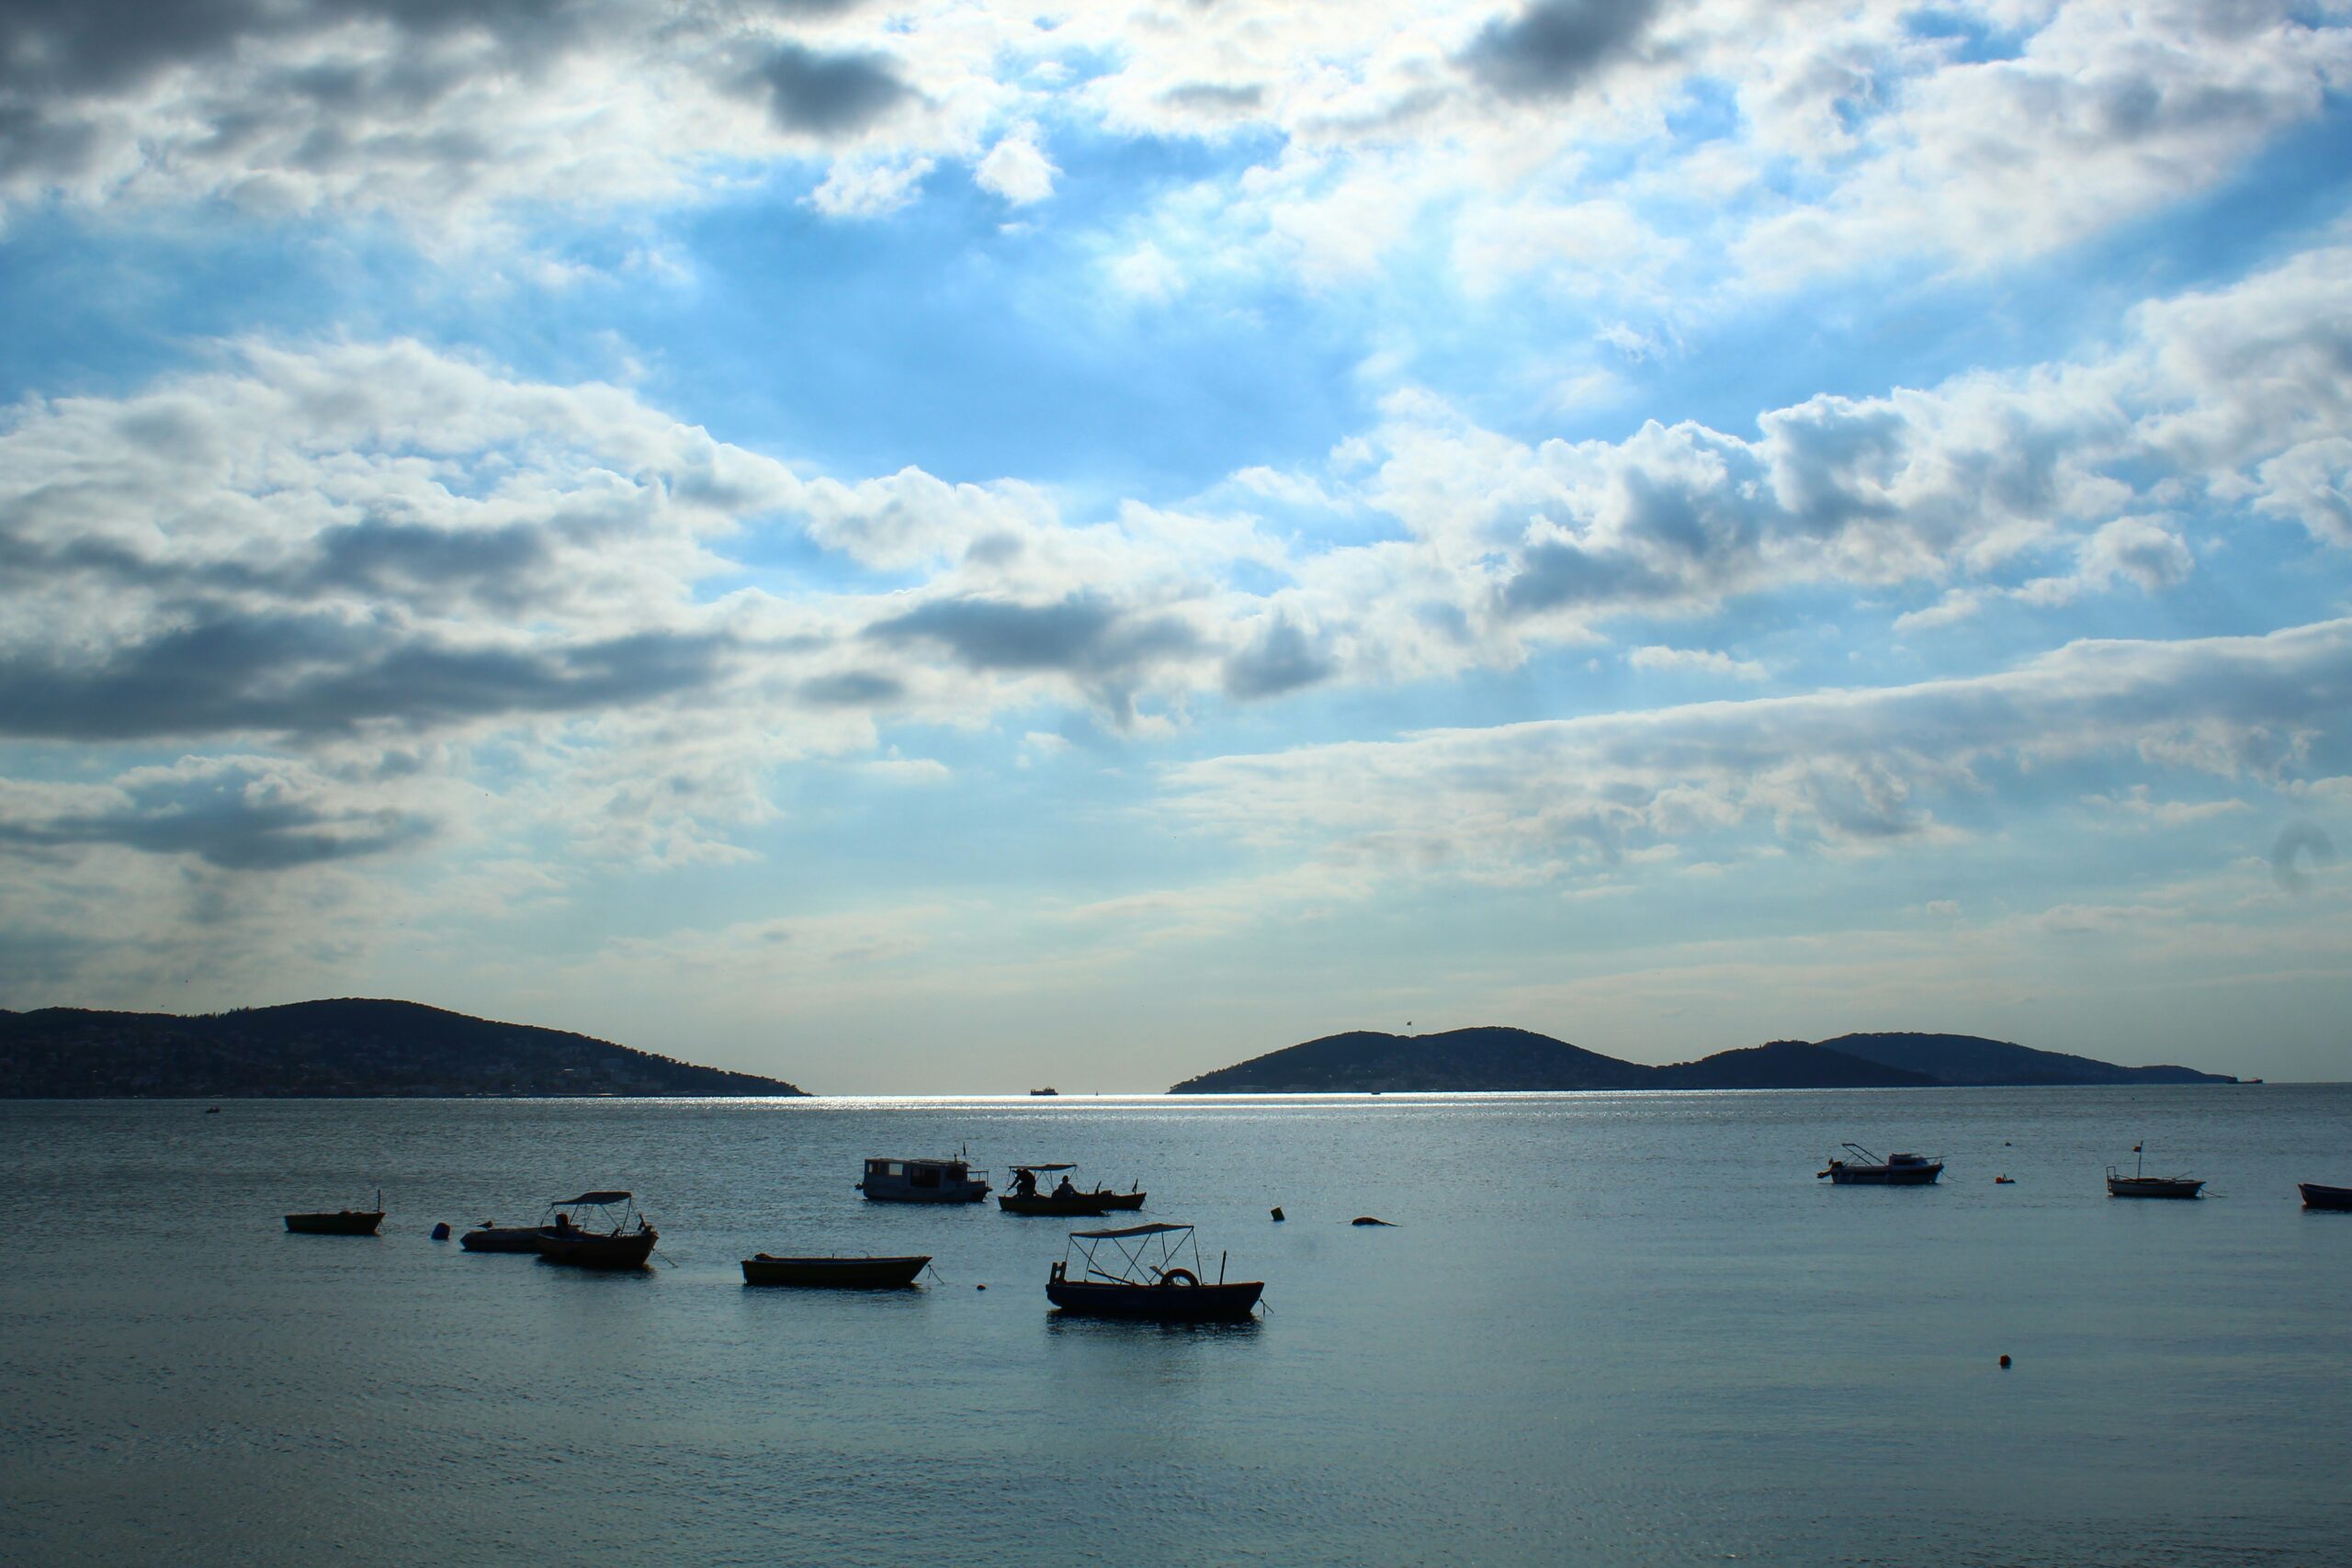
pixel 1605 1329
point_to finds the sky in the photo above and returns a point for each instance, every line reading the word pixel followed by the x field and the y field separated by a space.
pixel 956 546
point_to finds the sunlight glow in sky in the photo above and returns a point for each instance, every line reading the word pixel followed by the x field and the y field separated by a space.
pixel 950 546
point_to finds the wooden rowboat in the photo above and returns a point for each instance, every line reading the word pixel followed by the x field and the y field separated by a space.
pixel 2318 1197
pixel 606 1242
pixel 835 1273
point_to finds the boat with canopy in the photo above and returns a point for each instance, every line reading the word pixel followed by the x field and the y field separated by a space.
pixel 1066 1199
pixel 1143 1272
pixel 614 1236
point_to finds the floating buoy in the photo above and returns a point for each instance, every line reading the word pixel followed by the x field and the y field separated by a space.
pixel 2005 1182
pixel 2005 1363
pixel 441 1230
pixel 1278 1213
pixel 980 1287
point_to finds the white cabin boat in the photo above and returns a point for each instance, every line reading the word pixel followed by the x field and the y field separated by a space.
pixel 923 1181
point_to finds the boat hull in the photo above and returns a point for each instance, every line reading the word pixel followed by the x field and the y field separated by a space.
pixel 834 1273
pixel 976 1193
pixel 348 1222
pixel 1083 1205
pixel 1157 1303
pixel 2318 1197
pixel 502 1239
pixel 1884 1175
pixel 2151 1187
pixel 579 1249
pixel 1121 1200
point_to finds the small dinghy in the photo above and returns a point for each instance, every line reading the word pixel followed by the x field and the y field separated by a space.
pixel 492 1236
pixel 2318 1197
pixel 343 1221
pixel 834 1273
pixel 2140 1185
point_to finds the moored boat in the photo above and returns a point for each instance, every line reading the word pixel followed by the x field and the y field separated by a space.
pixel 618 1237
pixel 923 1181
pixel 2140 1185
pixel 2318 1197
pixel 1144 1276
pixel 492 1236
pixel 1066 1200
pixel 343 1221
pixel 837 1273
pixel 1866 1169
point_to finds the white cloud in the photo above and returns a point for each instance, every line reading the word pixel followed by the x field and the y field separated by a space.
pixel 1703 661
pixel 1015 170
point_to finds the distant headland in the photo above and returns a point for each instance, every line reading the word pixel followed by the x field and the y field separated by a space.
pixel 350 1048
pixel 1491 1059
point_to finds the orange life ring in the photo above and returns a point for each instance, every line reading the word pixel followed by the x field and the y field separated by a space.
pixel 1179 1276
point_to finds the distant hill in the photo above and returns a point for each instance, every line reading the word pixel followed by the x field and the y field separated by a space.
pixel 350 1048
pixel 1787 1064
pixel 1965 1060
pixel 1362 1060
pixel 1493 1059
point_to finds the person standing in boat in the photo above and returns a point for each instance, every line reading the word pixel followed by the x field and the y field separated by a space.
pixel 1024 1183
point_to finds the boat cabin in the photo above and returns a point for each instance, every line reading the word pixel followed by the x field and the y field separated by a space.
pixel 923 1181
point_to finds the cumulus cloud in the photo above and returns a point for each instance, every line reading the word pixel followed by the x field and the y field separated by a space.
pixel 1015 170
pixel 1696 660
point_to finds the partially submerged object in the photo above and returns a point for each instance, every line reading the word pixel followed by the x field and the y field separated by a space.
pixel 343 1221
pixel 923 1181
pixel 1143 1272
pixel 838 1273
pixel 607 1233
pixel 1368 1220
pixel 2140 1185
pixel 1066 1199
pixel 1866 1169
pixel 2318 1197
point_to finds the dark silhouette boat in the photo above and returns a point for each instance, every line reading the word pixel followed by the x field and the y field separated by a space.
pixel 2140 1185
pixel 2318 1197
pixel 618 1237
pixel 835 1273
pixel 1145 1279
pixel 491 1236
pixel 1065 1199
pixel 1866 1169
pixel 343 1221
pixel 923 1181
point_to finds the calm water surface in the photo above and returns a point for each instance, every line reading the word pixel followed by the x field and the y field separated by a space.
pixel 1608 1328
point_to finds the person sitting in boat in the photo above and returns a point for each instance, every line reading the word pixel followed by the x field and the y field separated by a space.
pixel 1065 1189
pixel 1024 1183
pixel 562 1224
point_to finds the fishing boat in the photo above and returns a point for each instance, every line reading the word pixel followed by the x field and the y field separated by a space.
pixel 2318 1197
pixel 1040 1092
pixel 492 1236
pixel 616 1236
pixel 1065 1199
pixel 2140 1185
pixel 343 1221
pixel 836 1273
pixel 1141 1272
pixel 923 1181
pixel 1866 1169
